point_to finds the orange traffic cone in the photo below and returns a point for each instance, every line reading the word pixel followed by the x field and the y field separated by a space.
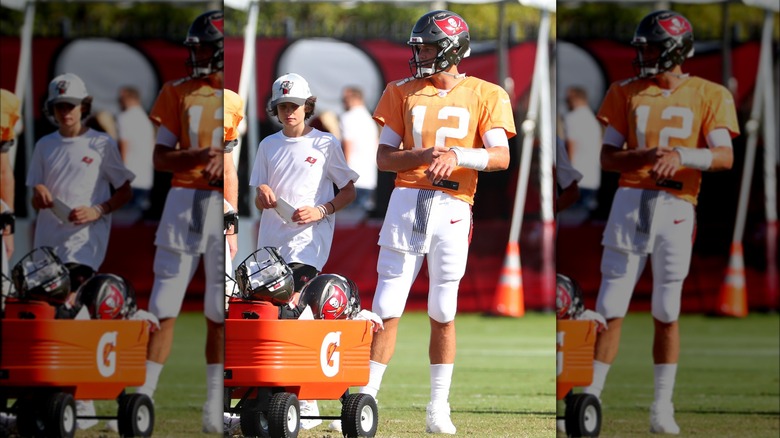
pixel 508 300
pixel 732 300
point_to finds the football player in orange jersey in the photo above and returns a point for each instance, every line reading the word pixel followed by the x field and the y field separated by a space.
pixel 189 116
pixel 9 116
pixel 439 129
pixel 663 128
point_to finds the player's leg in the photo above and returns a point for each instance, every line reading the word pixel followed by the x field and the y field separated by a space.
pixel 620 271
pixel 214 311
pixel 397 271
pixel 173 271
pixel 670 263
pixel 446 266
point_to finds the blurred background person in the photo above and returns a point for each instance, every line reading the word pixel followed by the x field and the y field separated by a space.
pixel 135 136
pixel 360 140
pixel 582 134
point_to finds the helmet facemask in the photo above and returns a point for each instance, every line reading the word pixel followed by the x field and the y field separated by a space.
pixel 264 276
pixel 40 275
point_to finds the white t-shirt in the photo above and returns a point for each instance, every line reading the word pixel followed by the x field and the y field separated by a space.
pixel 302 171
pixel 565 173
pixel 360 129
pixel 77 171
pixel 581 126
pixel 134 126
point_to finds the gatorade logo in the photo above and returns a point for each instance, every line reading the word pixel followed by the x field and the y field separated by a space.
pixel 106 354
pixel 329 356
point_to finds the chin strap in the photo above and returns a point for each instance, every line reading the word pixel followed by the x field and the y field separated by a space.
pixel 456 76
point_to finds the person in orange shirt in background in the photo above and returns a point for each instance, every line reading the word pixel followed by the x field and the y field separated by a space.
pixel 663 129
pixel 188 113
pixel 9 117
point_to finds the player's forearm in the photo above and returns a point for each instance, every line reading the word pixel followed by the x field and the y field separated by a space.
pixel 7 181
pixel 391 159
pixel 722 158
pixel 623 160
pixel 498 159
pixel 346 195
pixel 167 159
pixel 231 181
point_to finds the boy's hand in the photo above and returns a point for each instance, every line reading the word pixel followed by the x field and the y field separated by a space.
pixel 83 215
pixel 42 198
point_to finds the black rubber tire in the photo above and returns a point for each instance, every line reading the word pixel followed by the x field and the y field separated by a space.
pixel 135 415
pixel 359 416
pixel 29 422
pixel 583 415
pixel 253 418
pixel 60 415
pixel 284 415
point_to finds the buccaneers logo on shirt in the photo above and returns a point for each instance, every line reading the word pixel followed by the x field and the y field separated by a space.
pixel 311 160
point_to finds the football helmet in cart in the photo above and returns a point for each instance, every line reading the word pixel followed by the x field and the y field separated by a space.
pixel 264 276
pixel 331 296
pixel 41 275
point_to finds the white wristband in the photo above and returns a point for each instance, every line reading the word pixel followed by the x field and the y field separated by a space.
pixel 700 159
pixel 476 159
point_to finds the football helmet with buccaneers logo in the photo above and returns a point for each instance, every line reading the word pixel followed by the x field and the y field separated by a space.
pixel 205 39
pixel 40 275
pixel 107 296
pixel 264 276
pixel 662 40
pixel 331 296
pixel 568 297
pixel 449 32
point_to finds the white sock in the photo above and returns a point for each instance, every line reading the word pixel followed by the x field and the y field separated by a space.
pixel 375 372
pixel 214 383
pixel 664 376
pixel 600 370
pixel 441 379
pixel 153 370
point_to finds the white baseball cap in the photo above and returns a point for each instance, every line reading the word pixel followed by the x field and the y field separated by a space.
pixel 68 88
pixel 290 87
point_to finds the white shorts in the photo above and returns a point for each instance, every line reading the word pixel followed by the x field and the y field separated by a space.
pixel 646 224
pixel 422 223
pixel 191 227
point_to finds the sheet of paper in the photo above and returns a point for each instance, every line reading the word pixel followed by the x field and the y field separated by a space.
pixel 61 210
pixel 285 210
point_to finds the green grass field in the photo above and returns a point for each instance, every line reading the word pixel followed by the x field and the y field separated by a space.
pixel 728 382
pixel 728 379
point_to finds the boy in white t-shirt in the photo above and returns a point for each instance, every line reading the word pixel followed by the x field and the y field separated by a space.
pixel 71 174
pixel 298 167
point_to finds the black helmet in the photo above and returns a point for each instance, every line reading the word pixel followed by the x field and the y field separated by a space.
pixel 206 29
pixel 449 32
pixel 107 296
pixel 264 276
pixel 331 296
pixel 671 33
pixel 41 275
pixel 568 297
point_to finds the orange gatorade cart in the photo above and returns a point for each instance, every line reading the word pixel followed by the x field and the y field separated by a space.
pixel 270 364
pixel 47 363
pixel 575 341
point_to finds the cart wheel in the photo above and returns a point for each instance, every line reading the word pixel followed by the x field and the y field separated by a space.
pixel 135 415
pixel 60 415
pixel 359 416
pixel 253 421
pixel 583 415
pixel 28 421
pixel 284 419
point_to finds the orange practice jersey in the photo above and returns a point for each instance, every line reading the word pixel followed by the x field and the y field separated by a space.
pixel 234 113
pixel 648 116
pixel 192 110
pixel 415 111
pixel 9 114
